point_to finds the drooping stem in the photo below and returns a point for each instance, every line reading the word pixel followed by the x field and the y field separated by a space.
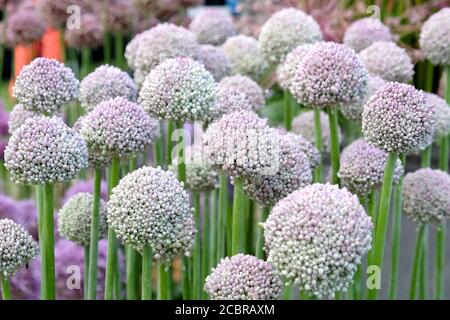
pixel 318 172
pixel 260 234
pixel 131 256
pixel 238 208
pixel 416 263
pixel 205 249
pixel 196 256
pixel 425 160
pixel 170 129
pixel 423 275
pixel 85 61
pixel 440 262
pixel 119 50
pixel 334 141
pixel 6 290
pixel 223 213
pixel 181 164
pixel 86 271
pixel 147 257
pixel 163 282
pixel 287 110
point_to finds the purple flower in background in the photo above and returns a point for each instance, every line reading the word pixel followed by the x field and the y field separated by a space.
pixel 85 186
pixel 3 120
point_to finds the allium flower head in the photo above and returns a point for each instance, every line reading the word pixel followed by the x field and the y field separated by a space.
pixel 119 16
pixel 316 237
pixel 213 26
pixel 388 61
pixel 329 75
pixel 45 86
pixel 434 37
pixel 117 128
pixel 442 127
pixel 243 277
pixel 214 60
pixel 54 11
pixel 397 119
pixel 131 49
pixel 242 145
pixel 245 57
pixel 89 35
pixel 362 168
pixel 74 219
pixel 287 69
pixel 17 247
pixel 45 150
pixel 24 27
pixel 18 116
pixel 180 89
pixel 150 208
pixel 306 147
pixel 363 32
pixel 285 30
pixel 426 196
pixel 104 83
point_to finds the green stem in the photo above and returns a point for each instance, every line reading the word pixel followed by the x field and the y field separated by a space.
pixel 205 249
pixel 48 263
pixel 213 231
pixel 180 153
pixel 186 287
pixel 423 276
pixel 443 153
pixel 425 161
pixel 440 262
pixel 260 237
pixel 417 263
pixel 223 213
pixel 357 284
pixel 170 129
pixel 119 50
pixel 318 172
pixel 287 111
pixel 106 48
pixel 429 77
pixel 147 257
pixel 163 282
pixel 6 290
pixel 157 153
pixel 86 271
pixel 196 257
pixel 334 140
pixel 85 61
pixel 133 163
pixel 131 256
pixel 238 208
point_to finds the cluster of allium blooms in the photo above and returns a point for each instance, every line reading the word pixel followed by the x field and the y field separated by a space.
pixel 104 83
pixel 119 16
pixel 243 277
pixel 353 111
pixel 363 32
pixel 85 186
pixel 245 57
pixel 150 208
pixel 89 35
pixel 213 26
pixel 45 150
pixel 45 85
pixel 180 89
pixel 18 116
pixel 294 172
pixel 362 168
pixel 74 219
pixel 434 37
pixel 287 69
pixel 117 128
pixel 426 196
pixel 17 247
pixel 442 127
pixel 397 119
pixel 237 93
pixel 303 125
pixel 330 74
pixel 242 145
pixel 214 60
pixel 316 237
pixel 388 61
pixel 285 30
pixel 24 27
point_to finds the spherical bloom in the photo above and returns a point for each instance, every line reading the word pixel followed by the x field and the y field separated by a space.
pixel 45 150
pixel 388 61
pixel 17 247
pixel 287 69
pixel 150 208
pixel 18 116
pixel 104 83
pixel 426 196
pixel 117 128
pixel 362 168
pixel 45 85
pixel 434 37
pixel 131 49
pixel 285 30
pixel 119 16
pixel 243 277
pixel 54 11
pixel 306 147
pixel 442 127
pixel 242 145
pixel 245 57
pixel 397 119
pixel 353 111
pixel 24 27
pixel 214 60
pixel 89 35
pixel 213 26
pixel 329 75
pixel 363 32
pixel 237 93
pixel 83 186
pixel 303 125
pixel 179 89
pixel 316 238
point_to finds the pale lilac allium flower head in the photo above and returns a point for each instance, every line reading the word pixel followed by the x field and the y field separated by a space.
pixel 213 26
pixel 363 32
pixel 24 27
pixel 442 128
pixel 131 49
pixel 435 37
pixel 54 11
pixel 89 35
pixel 119 16
pixel 287 69
pixel 306 147
pixel 214 60
pixel 18 116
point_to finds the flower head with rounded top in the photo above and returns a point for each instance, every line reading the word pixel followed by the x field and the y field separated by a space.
pixel 442 127
pixel 18 116
pixel 54 11
pixel 24 27
pixel 434 37
pixel 119 16
pixel 316 237
pixel 306 147
pixel 363 32
pixel 214 60
pixel 287 69
pixel 131 48
pixel 212 26
pixel 89 35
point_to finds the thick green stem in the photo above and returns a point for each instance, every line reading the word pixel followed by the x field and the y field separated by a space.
pixel 147 257
pixel 443 153
pixel 181 163
pixel 169 144
pixel 107 48
pixel 196 257
pixel 260 234
pixel 287 111
pixel 40 220
pixel 223 213
pixel 48 262
pixel 85 61
pixel 119 50
pixel 425 160
pixel 238 208
pixel 334 140
pixel 213 231
pixel 357 284
pixel 416 263
pixel 423 275
pixel 6 290
pixel 131 256
pixel 429 77
pixel 186 281
pixel 318 172
pixel 163 282
pixel 157 153
pixel 205 248
pixel 440 262
pixel 86 272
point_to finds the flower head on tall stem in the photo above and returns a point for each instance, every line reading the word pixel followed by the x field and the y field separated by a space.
pixel 213 26
pixel 434 40
pixel 24 27
pixel 442 127
pixel 287 69
pixel 119 16
pixel 18 116
pixel 364 32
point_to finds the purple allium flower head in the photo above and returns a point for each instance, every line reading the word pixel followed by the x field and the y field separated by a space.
pixel 243 277
pixel 8 208
pixel 82 186
pixel 74 219
pixel 329 75
pixel 397 119
pixel 213 26
pixel 362 168
pixel 442 127
pixel 434 37
pixel 241 144
pixel 426 196
pixel 180 89
pixel 237 93
pixel 316 238
pixel 303 125
pixel 363 32
pixel 119 16
pixel 388 61
pixel 27 216
pixel 45 150
pixel 18 116
pixel 245 57
pixel 25 283
pixel 17 247
pixel 54 11
pixel 214 60
pixel 150 208
pixel 287 69
pixel 24 27
pixel 285 30
pixel 104 83
pixel 89 35
pixel 117 128
pixel 45 86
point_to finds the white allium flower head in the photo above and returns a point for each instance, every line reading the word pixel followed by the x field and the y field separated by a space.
pixel 214 60
pixel 213 26
pixel 18 116
pixel 132 47
pixel 287 69
pixel 316 237
pixel 363 32
pixel 435 37
pixel 442 128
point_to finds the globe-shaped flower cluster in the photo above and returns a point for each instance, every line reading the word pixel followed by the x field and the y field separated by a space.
pixel 287 69
pixel 213 27
pixel 434 37
pixel 18 116
pixel 214 60
pixel 364 32
pixel 88 35
pixel 442 127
